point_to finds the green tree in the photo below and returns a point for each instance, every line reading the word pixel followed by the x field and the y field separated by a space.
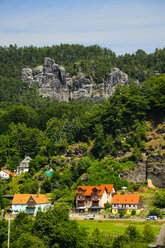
pixel 46 186
pixel 159 200
pixel 148 234
pixel 3 232
pixel 98 147
pixel 132 232
pixel 27 240
pixel 37 163
pixel 121 241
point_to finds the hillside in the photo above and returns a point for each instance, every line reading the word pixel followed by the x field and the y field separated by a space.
pixel 118 140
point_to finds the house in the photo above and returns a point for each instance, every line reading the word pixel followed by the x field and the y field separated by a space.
pixel 93 198
pixel 24 166
pixel 5 174
pixel 29 203
pixel 127 202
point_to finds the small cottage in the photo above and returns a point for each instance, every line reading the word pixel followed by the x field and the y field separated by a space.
pixel 29 203
pixel 5 174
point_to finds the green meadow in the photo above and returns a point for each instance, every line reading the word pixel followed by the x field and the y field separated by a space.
pixel 119 226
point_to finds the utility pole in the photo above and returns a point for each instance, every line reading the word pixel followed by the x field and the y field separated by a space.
pixel 8 232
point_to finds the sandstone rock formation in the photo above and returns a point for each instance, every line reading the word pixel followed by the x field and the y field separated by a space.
pixel 53 81
pixel 151 167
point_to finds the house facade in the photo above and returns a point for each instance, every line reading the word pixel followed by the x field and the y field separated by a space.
pixel 29 203
pixel 93 198
pixel 5 174
pixel 126 202
pixel 24 166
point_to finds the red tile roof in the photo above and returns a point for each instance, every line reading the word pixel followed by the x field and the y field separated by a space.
pixel 126 199
pixel 9 172
pixel 23 198
pixel 89 189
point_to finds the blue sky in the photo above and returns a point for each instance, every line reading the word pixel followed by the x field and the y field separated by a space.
pixel 121 25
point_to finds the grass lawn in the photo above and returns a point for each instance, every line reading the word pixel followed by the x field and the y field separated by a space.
pixel 119 226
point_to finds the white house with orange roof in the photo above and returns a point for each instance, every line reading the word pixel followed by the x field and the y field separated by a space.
pixel 5 174
pixel 29 203
pixel 93 198
pixel 127 202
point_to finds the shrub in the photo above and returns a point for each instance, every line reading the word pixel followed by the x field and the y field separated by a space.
pixel 122 213
pixel 107 205
pixel 148 234
pixel 133 212
pixel 159 200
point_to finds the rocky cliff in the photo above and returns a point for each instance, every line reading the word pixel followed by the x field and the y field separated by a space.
pixel 151 167
pixel 53 81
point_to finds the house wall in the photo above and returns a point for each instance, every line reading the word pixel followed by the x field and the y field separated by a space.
pixel 110 195
pixel 103 199
pixel 16 208
pixel 128 207
pixel 22 169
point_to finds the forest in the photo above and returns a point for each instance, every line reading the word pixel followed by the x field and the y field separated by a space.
pixel 94 60
pixel 79 140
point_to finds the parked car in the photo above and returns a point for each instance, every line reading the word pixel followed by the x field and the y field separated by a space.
pixel 152 217
pixel 89 217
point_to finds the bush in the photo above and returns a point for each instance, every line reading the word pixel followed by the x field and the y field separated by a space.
pixel 122 213
pixel 148 234
pixel 159 200
pixel 132 232
pixel 107 205
pixel 156 211
pixel 133 212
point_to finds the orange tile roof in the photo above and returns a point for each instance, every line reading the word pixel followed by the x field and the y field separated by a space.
pixel 23 198
pixel 7 171
pixel 109 187
pixel 88 189
pixel 126 199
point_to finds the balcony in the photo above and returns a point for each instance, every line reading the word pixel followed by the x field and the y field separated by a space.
pixel 80 206
pixel 31 207
pixel 95 198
